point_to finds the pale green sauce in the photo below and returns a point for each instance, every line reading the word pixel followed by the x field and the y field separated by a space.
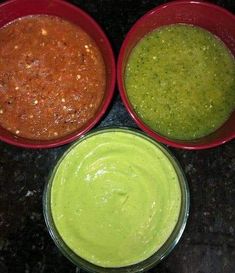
pixel 180 80
pixel 115 199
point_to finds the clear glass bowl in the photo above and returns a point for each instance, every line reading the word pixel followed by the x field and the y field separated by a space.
pixel 158 255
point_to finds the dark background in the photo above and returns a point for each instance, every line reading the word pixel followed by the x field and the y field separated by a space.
pixel 208 244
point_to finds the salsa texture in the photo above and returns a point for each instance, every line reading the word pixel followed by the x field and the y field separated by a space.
pixel 180 80
pixel 115 198
pixel 52 77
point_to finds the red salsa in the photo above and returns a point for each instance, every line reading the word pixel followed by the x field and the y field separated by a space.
pixel 52 77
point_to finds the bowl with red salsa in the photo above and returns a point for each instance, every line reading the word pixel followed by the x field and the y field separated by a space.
pixel 57 73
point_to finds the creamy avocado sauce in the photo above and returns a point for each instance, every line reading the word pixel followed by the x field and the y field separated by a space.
pixel 180 80
pixel 115 198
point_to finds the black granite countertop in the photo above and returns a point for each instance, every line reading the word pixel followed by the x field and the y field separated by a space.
pixel 208 244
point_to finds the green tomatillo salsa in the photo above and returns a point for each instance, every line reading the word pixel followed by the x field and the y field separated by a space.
pixel 180 80
pixel 115 198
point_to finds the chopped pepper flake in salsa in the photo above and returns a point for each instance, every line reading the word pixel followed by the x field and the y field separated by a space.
pixel 52 77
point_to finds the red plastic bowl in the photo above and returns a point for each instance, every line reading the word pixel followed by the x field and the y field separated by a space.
pixel 211 17
pixel 14 9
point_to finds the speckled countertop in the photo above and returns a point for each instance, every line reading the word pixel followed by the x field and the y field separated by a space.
pixel 208 244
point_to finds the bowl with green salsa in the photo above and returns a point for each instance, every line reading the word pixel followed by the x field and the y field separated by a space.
pixel 176 74
pixel 117 201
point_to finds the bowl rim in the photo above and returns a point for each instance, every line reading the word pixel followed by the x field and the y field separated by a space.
pixel 188 145
pixel 28 143
pixel 168 245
